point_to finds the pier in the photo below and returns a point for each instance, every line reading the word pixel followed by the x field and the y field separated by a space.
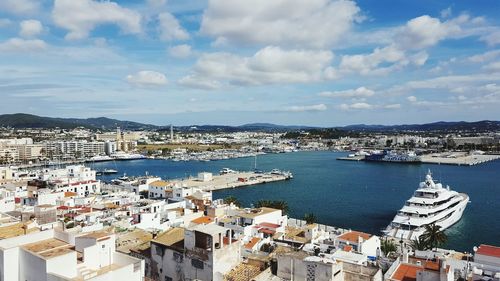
pixel 233 180
pixel 353 158
pixel 458 159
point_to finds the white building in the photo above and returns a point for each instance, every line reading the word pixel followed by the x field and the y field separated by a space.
pixel 200 252
pixel 55 256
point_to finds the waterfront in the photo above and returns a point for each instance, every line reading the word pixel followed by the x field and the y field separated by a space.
pixel 350 194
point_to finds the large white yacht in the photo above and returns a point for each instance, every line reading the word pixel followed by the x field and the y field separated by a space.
pixel 431 203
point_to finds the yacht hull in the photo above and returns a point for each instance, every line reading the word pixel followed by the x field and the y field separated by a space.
pixel 406 234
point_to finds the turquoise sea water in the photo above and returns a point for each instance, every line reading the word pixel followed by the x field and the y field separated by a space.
pixel 358 195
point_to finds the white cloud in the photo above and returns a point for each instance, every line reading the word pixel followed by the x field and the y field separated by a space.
pixel 492 39
pixel 493 66
pixel 307 108
pixel 485 57
pixel 426 31
pixel 269 65
pixel 180 51
pixel 412 98
pixel 30 28
pixel 304 23
pixel 197 82
pixel 358 106
pixel 391 57
pixel 20 7
pixel 170 29
pixel 352 93
pixel 22 45
pixel 392 106
pixel 80 17
pixel 147 78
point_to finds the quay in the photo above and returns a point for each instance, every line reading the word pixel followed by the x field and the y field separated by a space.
pixel 458 159
pixel 233 180
pixel 354 158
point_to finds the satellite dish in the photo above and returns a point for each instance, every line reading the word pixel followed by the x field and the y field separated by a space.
pixel 475 248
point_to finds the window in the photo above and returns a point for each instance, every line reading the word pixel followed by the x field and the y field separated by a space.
pixel 196 263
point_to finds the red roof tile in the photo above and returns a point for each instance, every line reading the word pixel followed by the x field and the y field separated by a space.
pixel 488 250
pixel 252 243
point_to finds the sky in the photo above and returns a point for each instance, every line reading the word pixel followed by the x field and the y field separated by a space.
pixel 232 62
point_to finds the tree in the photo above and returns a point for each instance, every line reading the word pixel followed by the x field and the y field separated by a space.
pixel 232 199
pixel 433 236
pixel 419 244
pixel 310 218
pixel 388 246
pixel 278 204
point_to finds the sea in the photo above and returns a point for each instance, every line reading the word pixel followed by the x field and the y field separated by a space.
pixel 355 195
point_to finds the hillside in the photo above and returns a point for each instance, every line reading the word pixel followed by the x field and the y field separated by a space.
pixel 21 120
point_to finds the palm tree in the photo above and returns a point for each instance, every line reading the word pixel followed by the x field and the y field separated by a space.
pixel 279 204
pixel 433 236
pixel 310 218
pixel 419 244
pixel 232 199
pixel 388 246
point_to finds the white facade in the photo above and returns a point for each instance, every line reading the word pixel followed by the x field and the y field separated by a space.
pixel 50 256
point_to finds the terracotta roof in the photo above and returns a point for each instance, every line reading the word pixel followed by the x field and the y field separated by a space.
pixel 267 231
pixel 488 250
pixel 406 272
pixel 353 236
pixel 268 224
pixel 70 194
pixel 203 220
pixel 159 184
pixel 252 243
pixel 432 265
pixel 97 234
pixel 170 237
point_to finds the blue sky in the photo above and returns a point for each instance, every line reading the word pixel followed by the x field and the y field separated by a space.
pixel 310 62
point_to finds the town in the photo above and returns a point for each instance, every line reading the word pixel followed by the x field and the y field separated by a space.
pixel 65 224
pixel 41 147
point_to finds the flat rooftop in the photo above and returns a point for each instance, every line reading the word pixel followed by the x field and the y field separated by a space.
pixel 170 237
pixel 49 248
pixel 256 212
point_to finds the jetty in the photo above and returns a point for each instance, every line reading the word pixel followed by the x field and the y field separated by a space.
pixel 458 159
pixel 209 182
pixel 352 158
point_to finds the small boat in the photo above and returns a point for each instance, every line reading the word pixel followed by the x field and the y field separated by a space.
pixel 109 171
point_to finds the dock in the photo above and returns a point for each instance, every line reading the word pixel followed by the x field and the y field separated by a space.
pixel 354 158
pixel 458 159
pixel 232 180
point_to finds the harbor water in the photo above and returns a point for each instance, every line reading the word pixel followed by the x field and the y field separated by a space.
pixel 358 195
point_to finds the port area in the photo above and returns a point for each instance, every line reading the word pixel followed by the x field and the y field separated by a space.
pixel 352 158
pixel 233 180
pixel 458 158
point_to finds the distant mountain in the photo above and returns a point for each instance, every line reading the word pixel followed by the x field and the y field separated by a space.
pixel 478 126
pixel 253 127
pixel 21 120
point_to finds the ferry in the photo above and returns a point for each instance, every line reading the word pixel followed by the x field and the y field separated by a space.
pixel 430 204
pixel 394 156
